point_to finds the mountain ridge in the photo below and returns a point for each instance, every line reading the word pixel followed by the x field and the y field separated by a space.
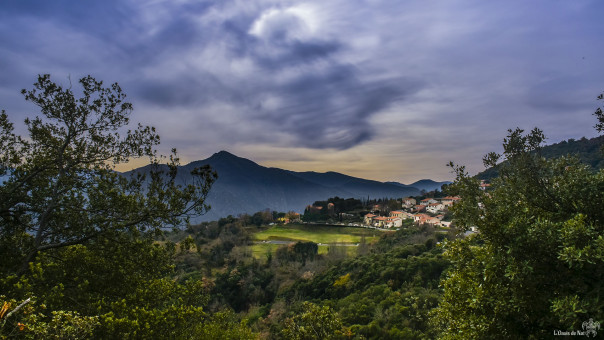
pixel 244 186
pixel 423 184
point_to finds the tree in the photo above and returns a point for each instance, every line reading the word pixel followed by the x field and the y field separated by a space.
pixel 537 263
pixel 600 116
pixel 62 189
pixel 77 237
pixel 315 322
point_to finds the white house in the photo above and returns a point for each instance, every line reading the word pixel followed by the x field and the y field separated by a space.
pixel 445 223
pixel 393 222
pixel 449 200
pixel 397 213
pixel 420 218
pixel 427 201
pixel 379 221
pixel 435 208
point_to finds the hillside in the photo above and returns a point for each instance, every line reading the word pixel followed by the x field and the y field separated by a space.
pixel 588 151
pixel 357 187
pixel 246 187
pixel 424 184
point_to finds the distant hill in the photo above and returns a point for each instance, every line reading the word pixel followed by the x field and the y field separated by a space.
pixel 424 184
pixel 588 151
pixel 246 187
pixel 356 187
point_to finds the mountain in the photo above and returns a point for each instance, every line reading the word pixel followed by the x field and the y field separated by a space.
pixel 246 187
pixel 589 152
pixel 424 184
pixel 354 186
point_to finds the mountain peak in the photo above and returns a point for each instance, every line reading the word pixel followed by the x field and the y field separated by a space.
pixel 428 184
pixel 425 180
pixel 222 157
pixel 223 154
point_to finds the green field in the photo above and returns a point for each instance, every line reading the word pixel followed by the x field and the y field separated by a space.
pixel 320 234
pixel 317 234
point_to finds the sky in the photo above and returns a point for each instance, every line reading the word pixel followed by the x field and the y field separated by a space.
pixel 384 90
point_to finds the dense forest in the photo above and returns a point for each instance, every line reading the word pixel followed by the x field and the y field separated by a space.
pixel 385 291
pixel 90 253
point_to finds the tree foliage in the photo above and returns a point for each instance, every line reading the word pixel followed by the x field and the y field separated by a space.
pixel 600 116
pixel 384 295
pixel 536 263
pixel 588 151
pixel 314 322
pixel 299 251
pixel 77 237
pixel 61 188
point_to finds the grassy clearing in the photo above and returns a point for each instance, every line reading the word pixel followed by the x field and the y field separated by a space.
pixel 318 234
pixel 314 233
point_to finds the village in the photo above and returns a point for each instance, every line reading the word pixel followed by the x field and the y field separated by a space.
pixel 381 213
pixel 428 211
pixel 384 213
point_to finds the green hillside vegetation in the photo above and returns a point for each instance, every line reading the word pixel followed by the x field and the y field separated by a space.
pixel 588 151
pixel 260 251
pixel 382 290
pixel 387 294
pixel 537 263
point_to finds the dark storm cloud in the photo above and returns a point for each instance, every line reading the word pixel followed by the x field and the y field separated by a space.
pixel 280 52
pixel 365 76
pixel 332 109
pixel 298 52
pixel 326 108
pixel 105 20
pixel 172 93
pixel 188 90
pixel 325 104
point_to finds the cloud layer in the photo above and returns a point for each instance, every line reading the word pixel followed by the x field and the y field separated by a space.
pixel 392 90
